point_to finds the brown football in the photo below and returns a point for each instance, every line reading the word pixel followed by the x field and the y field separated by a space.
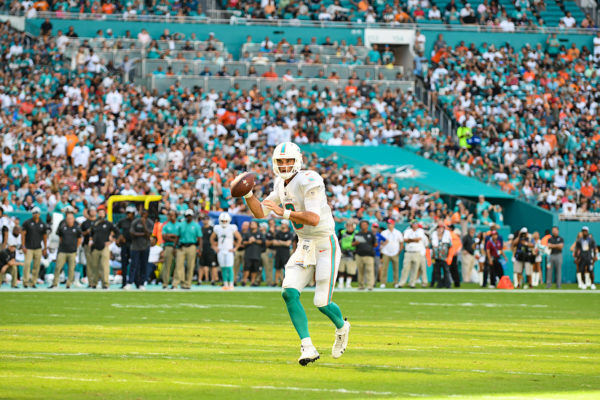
pixel 242 184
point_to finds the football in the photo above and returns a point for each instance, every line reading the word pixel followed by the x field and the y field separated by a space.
pixel 242 184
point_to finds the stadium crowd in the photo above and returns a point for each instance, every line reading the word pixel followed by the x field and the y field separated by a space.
pixel 505 16
pixel 527 119
pixel 72 138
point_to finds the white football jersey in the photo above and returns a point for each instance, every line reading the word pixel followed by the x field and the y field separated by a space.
pixel 292 197
pixel 225 236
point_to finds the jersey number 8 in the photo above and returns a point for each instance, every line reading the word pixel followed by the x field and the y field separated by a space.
pixel 290 206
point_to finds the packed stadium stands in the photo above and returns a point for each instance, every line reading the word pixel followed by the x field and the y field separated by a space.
pixel 526 119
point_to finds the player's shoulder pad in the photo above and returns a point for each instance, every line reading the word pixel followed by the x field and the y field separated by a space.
pixel 310 179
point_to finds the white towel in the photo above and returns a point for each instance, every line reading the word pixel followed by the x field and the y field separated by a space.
pixel 308 249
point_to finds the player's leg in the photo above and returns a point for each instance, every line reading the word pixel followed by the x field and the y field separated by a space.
pixel 328 261
pixel 518 271
pixel 587 268
pixel 296 279
pixel 229 258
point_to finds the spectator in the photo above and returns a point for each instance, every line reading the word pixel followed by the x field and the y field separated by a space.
pixel 554 264
pixel 585 257
pixel 364 243
pixel 441 241
pixel 390 251
pixel 414 256
pixel 253 241
pixel 35 232
pixel 348 265
pixel 70 239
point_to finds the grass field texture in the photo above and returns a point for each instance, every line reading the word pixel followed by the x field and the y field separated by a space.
pixel 205 345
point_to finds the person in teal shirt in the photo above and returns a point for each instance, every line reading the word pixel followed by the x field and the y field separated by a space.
pixel 190 242
pixel 170 235
pixel 482 205
pixel 15 173
pixel 31 169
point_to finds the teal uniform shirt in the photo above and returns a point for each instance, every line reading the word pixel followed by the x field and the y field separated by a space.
pixel 189 232
pixel 170 228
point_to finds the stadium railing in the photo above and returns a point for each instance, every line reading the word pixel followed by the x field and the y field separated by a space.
pixel 161 83
pixel 302 23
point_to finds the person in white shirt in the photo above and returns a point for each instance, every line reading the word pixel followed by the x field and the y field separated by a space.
pixel 434 13
pixel 414 256
pixel 441 242
pixel 80 155
pixel 568 20
pixel 154 258
pixel 114 99
pixel 390 252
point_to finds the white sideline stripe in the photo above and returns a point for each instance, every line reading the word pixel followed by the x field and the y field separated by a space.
pixel 224 385
pixel 292 388
pixel 190 305
pixel 206 289
pixel 489 305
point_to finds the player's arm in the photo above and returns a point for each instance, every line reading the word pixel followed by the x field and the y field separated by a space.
pixel 313 198
pixel 238 240
pixel 213 241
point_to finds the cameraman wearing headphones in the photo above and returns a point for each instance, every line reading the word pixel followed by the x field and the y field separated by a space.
pixel 523 250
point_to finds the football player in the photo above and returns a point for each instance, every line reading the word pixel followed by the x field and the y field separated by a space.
pixel 226 239
pixel 299 196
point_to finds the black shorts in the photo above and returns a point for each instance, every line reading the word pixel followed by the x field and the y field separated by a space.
pixel 252 265
pixel 209 259
pixel 281 260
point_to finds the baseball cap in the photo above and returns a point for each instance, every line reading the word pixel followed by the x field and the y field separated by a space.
pixel 390 221
pixel 101 207
pixel 188 212
pixel 375 224
pixel 35 210
pixel 494 232
pixel 523 230
pixel 585 228
pixel 130 209
pixel 414 221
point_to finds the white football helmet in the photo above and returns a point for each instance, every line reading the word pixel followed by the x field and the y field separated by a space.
pixel 224 219
pixel 287 150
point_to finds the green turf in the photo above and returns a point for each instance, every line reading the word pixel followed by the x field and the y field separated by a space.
pixel 241 345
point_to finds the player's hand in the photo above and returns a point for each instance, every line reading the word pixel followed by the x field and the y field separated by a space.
pixel 273 207
pixel 45 252
pixel 232 250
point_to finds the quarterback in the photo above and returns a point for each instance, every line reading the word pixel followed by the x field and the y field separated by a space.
pixel 299 196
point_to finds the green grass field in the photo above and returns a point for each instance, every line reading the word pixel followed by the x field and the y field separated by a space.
pixel 203 345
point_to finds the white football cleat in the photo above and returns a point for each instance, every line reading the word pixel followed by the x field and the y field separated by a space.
pixel 309 354
pixel 341 340
pixel 593 287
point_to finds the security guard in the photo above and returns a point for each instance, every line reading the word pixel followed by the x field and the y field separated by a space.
pixel 86 229
pixel 282 243
pixel 125 242
pixel 34 233
pixel 8 263
pixel 365 243
pixel 70 239
pixel 170 235
pixel 99 263
pixel 190 243
pixel 141 230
